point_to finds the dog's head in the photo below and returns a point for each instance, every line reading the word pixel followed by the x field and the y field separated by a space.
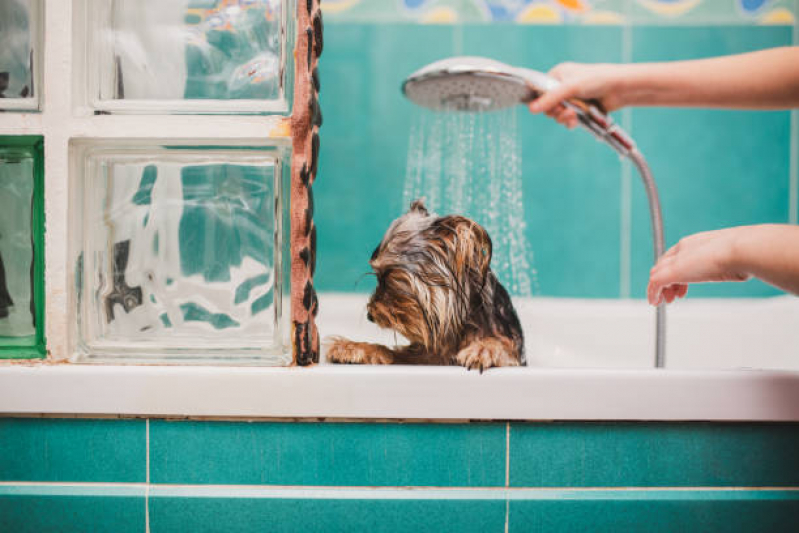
pixel 431 272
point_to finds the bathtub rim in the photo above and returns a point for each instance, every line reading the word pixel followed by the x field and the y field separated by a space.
pixel 400 393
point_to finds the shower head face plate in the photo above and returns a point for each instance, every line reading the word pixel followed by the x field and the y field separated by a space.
pixel 467 84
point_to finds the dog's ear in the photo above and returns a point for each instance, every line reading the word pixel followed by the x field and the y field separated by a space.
pixel 471 246
pixel 417 206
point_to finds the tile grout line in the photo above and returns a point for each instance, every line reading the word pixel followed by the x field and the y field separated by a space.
pixel 625 222
pixel 147 478
pixel 225 489
pixel 507 475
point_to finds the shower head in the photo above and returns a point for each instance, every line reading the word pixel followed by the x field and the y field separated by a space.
pixel 478 84
pixel 473 84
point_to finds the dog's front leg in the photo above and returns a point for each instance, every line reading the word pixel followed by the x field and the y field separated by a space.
pixel 341 350
pixel 481 353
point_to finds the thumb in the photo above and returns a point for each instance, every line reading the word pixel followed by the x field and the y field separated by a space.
pixel 552 98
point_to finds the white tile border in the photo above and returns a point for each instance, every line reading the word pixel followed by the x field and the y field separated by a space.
pixel 442 393
pixel 17 488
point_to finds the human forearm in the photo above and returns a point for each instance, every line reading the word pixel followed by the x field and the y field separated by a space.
pixel 769 252
pixel 767 79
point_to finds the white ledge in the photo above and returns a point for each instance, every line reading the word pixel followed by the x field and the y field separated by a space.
pixel 433 393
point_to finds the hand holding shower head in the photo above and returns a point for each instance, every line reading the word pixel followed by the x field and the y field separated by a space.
pixel 482 84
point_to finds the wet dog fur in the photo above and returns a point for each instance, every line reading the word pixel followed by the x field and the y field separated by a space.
pixel 435 287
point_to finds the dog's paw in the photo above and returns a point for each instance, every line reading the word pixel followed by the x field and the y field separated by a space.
pixel 485 353
pixel 343 351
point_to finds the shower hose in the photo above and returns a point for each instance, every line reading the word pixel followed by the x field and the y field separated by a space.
pixel 657 239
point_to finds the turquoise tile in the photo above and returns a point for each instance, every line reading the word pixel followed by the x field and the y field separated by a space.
pixel 48 449
pixel 37 509
pixel 714 168
pixel 655 512
pixel 571 183
pixel 329 513
pixel 654 454
pixel 327 454
pixel 364 140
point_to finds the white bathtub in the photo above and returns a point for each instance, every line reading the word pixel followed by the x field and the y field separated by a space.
pixel 727 360
pixel 575 333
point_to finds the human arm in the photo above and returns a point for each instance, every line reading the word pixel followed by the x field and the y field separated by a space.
pixel 766 79
pixel 769 252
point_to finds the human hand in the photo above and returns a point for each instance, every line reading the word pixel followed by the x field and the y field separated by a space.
pixel 600 82
pixel 708 256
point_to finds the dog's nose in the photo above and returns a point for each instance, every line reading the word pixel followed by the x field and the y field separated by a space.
pixel 369 317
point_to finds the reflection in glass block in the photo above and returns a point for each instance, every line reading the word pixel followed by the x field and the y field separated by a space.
pixel 187 55
pixel 19 34
pixel 17 311
pixel 179 253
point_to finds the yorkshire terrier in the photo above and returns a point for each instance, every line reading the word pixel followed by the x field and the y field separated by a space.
pixel 435 287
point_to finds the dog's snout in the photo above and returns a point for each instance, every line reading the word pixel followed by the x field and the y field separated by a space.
pixel 369 316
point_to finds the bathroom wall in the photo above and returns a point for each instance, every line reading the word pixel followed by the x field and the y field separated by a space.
pixel 586 213
pixel 165 476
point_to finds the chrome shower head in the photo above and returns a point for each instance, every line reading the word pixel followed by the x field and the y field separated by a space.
pixel 478 84
pixel 473 84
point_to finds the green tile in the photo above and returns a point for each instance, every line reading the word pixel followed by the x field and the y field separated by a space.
pixel 714 168
pixel 654 454
pixel 655 511
pixel 37 509
pixel 47 449
pixel 327 454
pixel 308 513
pixel 21 247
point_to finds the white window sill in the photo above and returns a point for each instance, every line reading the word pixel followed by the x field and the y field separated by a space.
pixel 432 393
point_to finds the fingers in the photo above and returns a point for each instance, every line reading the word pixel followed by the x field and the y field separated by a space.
pixel 656 295
pixel 666 281
pixel 551 99
pixel 563 115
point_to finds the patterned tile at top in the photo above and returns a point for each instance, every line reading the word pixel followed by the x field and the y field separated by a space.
pixel 781 12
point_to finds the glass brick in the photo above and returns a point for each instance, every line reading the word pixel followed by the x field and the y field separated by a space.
pixel 186 56
pixel 178 252
pixel 20 46
pixel 21 276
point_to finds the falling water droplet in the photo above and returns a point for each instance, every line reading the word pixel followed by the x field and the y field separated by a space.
pixel 471 164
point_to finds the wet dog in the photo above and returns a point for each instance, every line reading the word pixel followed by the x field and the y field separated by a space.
pixel 435 287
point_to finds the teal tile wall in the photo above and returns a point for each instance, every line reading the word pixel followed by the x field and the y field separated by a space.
pixel 327 454
pixel 395 513
pixel 38 449
pixel 653 455
pixel 571 182
pixel 364 141
pixel 251 476
pixel 714 168
pixel 72 509
pixel 655 512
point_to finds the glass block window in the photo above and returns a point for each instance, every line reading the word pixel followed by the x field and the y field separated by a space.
pixel 21 250
pixel 185 56
pixel 178 252
pixel 20 46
